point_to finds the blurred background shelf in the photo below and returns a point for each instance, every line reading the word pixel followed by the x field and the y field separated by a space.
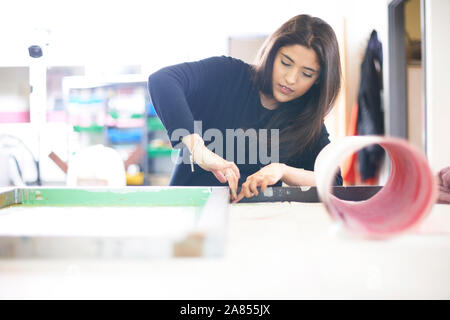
pixel 15 94
pixel 117 112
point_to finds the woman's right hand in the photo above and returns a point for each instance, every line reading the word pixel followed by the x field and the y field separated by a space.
pixel 223 170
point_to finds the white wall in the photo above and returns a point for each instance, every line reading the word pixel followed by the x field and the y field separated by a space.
pixel 437 72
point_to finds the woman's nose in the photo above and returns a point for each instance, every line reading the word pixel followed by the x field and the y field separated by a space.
pixel 290 77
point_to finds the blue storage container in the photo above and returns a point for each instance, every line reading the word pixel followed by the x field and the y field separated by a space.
pixel 133 135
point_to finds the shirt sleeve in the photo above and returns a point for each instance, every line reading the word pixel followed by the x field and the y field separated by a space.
pixel 309 158
pixel 172 90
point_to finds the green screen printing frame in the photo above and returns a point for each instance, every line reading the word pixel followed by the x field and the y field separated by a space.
pixel 206 239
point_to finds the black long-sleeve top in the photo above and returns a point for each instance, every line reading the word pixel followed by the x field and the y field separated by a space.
pixel 220 93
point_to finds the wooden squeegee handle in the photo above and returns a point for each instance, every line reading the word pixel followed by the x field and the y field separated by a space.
pixel 61 164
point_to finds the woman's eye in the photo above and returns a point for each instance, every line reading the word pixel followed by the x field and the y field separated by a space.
pixel 285 64
pixel 307 75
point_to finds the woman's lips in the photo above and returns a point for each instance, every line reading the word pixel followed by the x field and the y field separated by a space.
pixel 285 90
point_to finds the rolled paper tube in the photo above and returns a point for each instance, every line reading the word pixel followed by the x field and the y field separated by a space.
pixel 404 201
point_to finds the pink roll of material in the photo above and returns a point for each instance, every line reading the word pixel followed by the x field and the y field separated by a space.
pixel 406 198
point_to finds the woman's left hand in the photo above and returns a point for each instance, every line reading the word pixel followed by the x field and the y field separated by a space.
pixel 267 176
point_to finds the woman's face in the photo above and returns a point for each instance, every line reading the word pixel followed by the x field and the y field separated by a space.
pixel 295 70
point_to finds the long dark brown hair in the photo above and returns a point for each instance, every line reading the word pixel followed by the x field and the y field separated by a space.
pixel 300 120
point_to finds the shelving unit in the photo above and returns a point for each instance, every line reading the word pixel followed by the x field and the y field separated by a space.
pixel 117 112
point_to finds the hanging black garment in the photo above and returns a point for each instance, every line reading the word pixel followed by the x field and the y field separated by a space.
pixel 370 115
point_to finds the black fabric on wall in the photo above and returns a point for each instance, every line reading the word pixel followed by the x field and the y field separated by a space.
pixel 370 114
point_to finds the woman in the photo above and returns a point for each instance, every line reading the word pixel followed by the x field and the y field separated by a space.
pixel 291 88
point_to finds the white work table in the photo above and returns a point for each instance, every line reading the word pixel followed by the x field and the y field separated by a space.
pixel 275 251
